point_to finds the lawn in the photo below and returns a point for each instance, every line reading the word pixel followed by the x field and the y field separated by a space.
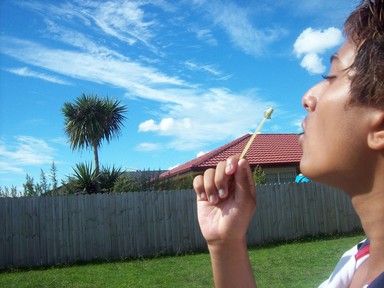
pixel 299 264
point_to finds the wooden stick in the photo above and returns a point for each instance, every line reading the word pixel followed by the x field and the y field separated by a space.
pixel 267 115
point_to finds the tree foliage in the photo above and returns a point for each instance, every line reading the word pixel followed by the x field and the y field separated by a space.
pixel 53 177
pixel 259 175
pixel 29 186
pixel 9 192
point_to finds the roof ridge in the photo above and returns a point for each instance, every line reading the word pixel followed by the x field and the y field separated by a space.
pixel 217 150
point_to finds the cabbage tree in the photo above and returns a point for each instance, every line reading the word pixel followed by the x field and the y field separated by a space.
pixel 89 120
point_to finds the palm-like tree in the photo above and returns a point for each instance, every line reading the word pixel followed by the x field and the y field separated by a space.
pixel 91 119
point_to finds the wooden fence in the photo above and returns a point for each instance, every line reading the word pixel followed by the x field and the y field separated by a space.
pixel 45 231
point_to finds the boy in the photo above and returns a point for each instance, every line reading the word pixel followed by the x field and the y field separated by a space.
pixel 343 146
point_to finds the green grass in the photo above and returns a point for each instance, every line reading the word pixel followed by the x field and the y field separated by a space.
pixel 302 263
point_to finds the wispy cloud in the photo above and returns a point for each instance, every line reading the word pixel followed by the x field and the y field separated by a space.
pixel 26 72
pixel 79 40
pixel 311 44
pixel 329 10
pixel 25 151
pixel 6 167
pixel 208 68
pixel 146 146
pixel 206 36
pixel 96 67
pixel 122 20
pixel 237 24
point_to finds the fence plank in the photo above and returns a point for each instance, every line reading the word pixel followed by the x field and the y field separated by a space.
pixel 3 239
pixel 167 217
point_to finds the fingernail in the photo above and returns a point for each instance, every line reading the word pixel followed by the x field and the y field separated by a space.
pixel 229 167
pixel 203 196
pixel 221 192
pixel 212 198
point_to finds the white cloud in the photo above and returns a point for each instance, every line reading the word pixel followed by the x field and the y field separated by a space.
pixel 149 125
pixel 6 167
pixel 298 124
pixel 206 116
pixel 79 40
pixel 26 72
pixel 166 126
pixel 26 151
pixel 174 166
pixel 313 63
pixel 237 24
pixel 123 20
pixel 201 153
pixel 206 36
pixel 146 146
pixel 312 43
pixel 206 68
pixel 317 41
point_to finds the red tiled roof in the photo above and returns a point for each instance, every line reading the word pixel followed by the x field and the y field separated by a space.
pixel 266 150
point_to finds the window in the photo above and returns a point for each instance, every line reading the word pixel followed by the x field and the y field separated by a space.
pixel 280 175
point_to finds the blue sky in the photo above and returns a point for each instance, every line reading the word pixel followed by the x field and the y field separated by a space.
pixel 193 74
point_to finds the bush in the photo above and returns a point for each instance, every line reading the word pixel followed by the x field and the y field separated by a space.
pixel 84 180
pixel 108 177
pixel 126 183
pixel 259 175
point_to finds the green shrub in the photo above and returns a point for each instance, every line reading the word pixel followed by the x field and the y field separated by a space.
pixel 259 175
pixel 108 177
pixel 126 183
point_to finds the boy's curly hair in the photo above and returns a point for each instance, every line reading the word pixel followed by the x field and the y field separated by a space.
pixel 365 28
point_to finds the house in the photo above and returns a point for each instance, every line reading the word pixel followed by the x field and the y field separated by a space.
pixel 277 154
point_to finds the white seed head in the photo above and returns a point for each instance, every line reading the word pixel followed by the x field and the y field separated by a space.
pixel 268 113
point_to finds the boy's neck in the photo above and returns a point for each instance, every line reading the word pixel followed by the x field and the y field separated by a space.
pixel 370 209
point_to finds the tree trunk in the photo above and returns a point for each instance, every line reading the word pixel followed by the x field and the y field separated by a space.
pixel 97 168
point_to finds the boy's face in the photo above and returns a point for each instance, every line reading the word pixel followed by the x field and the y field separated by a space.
pixel 334 142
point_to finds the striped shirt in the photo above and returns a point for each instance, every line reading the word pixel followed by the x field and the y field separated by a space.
pixel 348 264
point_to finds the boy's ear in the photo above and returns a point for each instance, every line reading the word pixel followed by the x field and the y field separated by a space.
pixel 376 135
